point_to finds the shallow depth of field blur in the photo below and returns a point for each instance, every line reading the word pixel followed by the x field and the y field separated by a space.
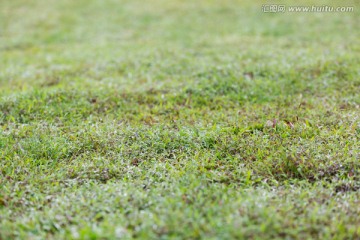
pixel 178 119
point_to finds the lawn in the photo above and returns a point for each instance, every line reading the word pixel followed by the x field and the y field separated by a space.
pixel 178 120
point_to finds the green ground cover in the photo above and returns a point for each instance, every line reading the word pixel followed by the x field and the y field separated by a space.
pixel 178 119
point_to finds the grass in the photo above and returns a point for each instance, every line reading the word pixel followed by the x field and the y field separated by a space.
pixel 178 119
